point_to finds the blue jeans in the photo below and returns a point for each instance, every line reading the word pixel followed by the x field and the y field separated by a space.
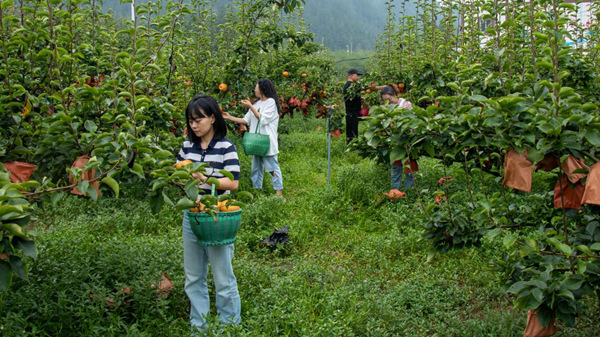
pixel 397 171
pixel 269 164
pixel 195 264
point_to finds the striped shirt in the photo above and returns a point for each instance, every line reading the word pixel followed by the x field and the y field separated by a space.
pixel 220 155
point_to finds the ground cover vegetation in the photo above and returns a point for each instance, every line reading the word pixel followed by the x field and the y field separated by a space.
pixel 78 82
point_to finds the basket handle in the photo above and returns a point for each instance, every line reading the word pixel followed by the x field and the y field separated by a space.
pixel 257 125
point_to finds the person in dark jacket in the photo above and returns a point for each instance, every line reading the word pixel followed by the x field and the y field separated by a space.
pixel 353 101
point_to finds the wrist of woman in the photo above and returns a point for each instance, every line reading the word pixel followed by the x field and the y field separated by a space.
pixel 199 176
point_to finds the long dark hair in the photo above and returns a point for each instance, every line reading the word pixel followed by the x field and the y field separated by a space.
pixel 203 106
pixel 387 90
pixel 267 88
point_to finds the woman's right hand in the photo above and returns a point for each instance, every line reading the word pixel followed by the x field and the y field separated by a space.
pixel 246 103
pixel 226 115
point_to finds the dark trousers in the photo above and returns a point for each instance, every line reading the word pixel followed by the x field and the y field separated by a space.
pixel 351 125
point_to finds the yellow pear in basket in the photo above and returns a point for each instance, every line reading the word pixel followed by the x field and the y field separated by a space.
pixel 197 209
pixel 224 208
pixel 183 163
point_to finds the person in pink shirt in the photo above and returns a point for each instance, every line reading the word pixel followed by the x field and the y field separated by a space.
pixel 388 94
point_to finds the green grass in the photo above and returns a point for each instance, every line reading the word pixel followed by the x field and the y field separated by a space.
pixel 353 267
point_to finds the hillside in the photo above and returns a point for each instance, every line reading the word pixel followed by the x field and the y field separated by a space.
pixel 338 24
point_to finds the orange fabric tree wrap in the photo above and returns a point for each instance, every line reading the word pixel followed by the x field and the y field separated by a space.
pixel 517 170
pixel 591 195
pixel 571 194
pixel 19 171
pixel 87 175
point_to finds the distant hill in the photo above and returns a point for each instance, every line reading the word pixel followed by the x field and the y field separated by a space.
pixel 345 24
pixel 338 24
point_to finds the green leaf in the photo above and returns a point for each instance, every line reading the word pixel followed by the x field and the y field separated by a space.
pixel 113 184
pixel 91 191
pixel 213 181
pixel 227 174
pixel 538 295
pixel 245 195
pixel 584 249
pixel 509 240
pixel 7 4
pixel 490 235
pixel 56 198
pixel 486 204
pixel 527 302
pixel 122 54
pixel 573 283
pixel 191 190
pixel 138 170
pixel 10 211
pixel 494 121
pixel 517 287
pixel 18 267
pixel 593 136
pixel 13 228
pixel 156 202
pixel 478 98
pixel 162 154
pixel 184 203
pixel 5 275
pixel 545 315
pixel 535 155
pixel 566 92
pixel 27 185
pixel 91 126
pixel 397 153
pixel 429 149
pixel 167 200
pixel 563 248
pixel 453 86
pixel 595 246
pixel 26 245
pixel 567 6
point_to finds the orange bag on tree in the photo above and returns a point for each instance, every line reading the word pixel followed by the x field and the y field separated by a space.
pixel 591 194
pixel 87 175
pixel 517 170
pixel 19 171
pixel 572 194
pixel 549 163
pixel 571 164
pixel 534 328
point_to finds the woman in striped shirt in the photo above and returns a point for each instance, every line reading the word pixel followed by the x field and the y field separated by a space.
pixel 207 143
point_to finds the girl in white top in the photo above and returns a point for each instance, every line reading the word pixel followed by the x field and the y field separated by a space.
pixel 266 110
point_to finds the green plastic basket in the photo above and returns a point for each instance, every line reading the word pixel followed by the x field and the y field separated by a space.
pixel 215 232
